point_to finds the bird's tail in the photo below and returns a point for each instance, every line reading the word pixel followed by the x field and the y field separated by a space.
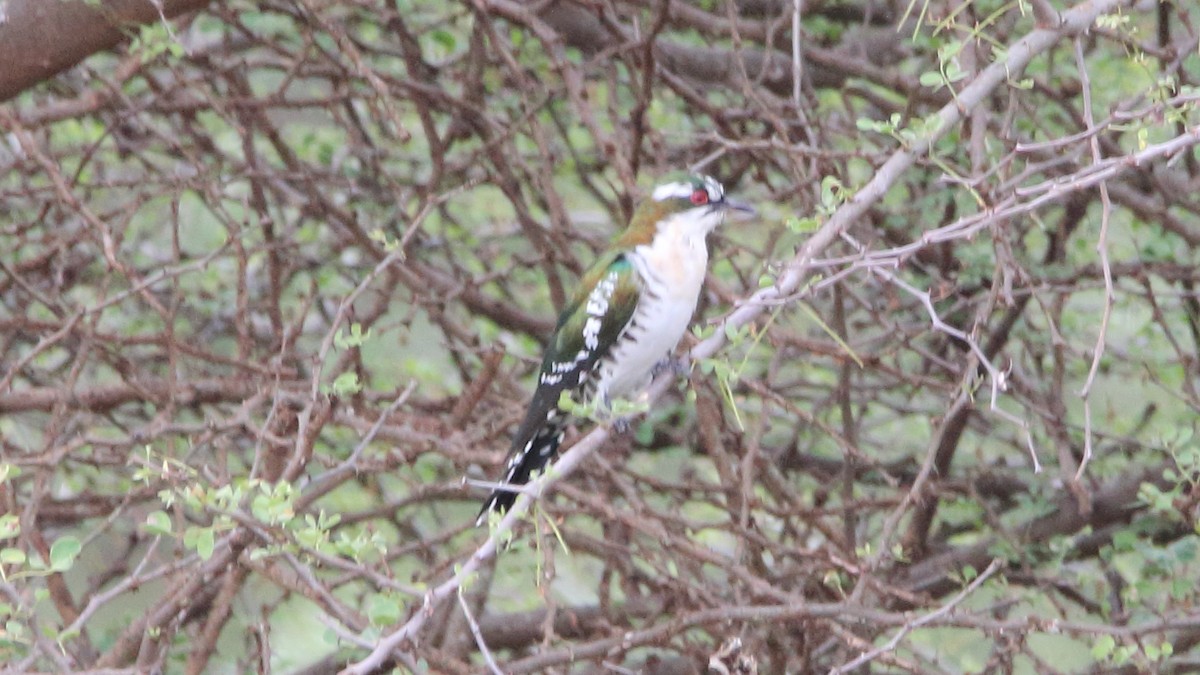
pixel 534 455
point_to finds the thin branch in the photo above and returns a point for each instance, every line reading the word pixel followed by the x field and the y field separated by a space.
pixel 475 632
pixel 1016 58
pixel 1102 249
pixel 934 616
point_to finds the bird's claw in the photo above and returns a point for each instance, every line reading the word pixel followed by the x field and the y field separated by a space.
pixel 676 366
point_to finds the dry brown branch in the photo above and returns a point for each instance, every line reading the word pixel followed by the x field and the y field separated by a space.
pixel 275 276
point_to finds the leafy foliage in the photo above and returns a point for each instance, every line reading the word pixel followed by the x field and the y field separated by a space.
pixel 277 275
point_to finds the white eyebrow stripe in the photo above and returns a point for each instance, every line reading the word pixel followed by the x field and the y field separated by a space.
pixel 670 190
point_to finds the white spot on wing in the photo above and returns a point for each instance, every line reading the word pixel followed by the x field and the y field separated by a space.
pixel 591 333
pixel 596 308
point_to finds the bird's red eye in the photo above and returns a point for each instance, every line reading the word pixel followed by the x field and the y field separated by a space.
pixel 700 197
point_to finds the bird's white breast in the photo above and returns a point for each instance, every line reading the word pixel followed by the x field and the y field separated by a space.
pixel 671 270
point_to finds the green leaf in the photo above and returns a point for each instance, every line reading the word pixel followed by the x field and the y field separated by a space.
pixel 356 337
pixel 969 573
pixel 384 610
pixel 63 553
pixel 12 556
pixel 879 127
pixel 205 543
pixel 201 539
pixel 644 434
pixel 10 526
pixel 931 78
pixel 14 631
pixel 733 333
pixel 1103 647
pixel 1123 653
pixel 567 404
pixel 158 522
pixel 1181 588
pixel 8 471
pixel 802 225
pixel 445 38
pixel 346 384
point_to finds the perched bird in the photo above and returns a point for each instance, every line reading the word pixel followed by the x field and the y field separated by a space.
pixel 630 311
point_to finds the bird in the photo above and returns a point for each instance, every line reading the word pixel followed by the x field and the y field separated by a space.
pixel 631 309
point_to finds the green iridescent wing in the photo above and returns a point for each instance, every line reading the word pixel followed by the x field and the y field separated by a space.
pixel 586 331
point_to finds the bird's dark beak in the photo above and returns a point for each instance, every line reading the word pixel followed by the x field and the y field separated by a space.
pixel 741 209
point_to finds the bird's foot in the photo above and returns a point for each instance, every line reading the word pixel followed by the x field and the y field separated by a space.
pixel 618 423
pixel 676 366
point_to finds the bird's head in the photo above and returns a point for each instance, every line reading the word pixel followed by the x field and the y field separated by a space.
pixel 693 202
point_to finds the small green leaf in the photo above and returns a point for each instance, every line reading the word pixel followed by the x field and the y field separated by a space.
pixel 158 522
pixel 63 553
pixel 356 337
pixel 205 543
pixel 380 236
pixel 950 50
pixel 731 332
pixel 833 193
pixel 8 471
pixel 644 434
pixel 384 610
pixel 1103 647
pixel 932 78
pixel 802 225
pixel 969 573
pixel 1123 653
pixel 446 39
pixel 346 384
pixel 867 124
pixel 201 539
pixel 10 526
pixel 12 556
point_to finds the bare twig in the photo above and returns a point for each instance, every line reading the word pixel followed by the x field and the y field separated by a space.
pixel 926 619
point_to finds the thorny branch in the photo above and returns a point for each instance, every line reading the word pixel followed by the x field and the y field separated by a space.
pixel 279 274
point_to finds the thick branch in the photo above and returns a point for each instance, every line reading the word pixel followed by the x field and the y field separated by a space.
pixel 1112 504
pixel 41 39
pixel 106 397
